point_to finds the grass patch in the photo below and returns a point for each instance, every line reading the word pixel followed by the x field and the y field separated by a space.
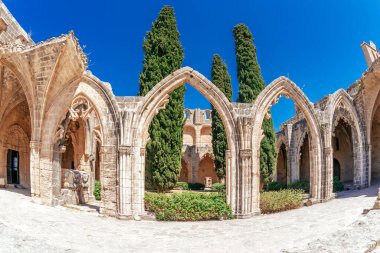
pixel 97 190
pixel 277 201
pixel 337 185
pixel 188 206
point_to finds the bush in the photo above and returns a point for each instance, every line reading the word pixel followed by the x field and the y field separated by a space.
pixel 187 206
pixel 277 201
pixel 182 186
pixel 219 187
pixel 301 185
pixel 276 186
pixel 196 186
pixel 337 185
pixel 97 190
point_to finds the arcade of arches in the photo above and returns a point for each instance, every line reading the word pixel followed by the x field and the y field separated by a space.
pixel 61 128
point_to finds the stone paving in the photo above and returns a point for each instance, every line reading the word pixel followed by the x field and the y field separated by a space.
pixel 30 227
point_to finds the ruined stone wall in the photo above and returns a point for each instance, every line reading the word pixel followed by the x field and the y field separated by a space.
pixel 10 29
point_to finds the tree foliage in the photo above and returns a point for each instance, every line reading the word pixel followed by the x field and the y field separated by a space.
pixel 251 84
pixel 221 78
pixel 163 55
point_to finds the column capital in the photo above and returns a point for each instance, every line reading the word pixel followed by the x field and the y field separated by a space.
pixel 125 150
pixel 245 153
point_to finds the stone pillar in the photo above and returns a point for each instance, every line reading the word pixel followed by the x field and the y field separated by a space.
pixel 35 168
pixel 328 165
pixel 125 189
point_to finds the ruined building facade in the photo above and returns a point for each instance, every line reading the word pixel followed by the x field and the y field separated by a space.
pixel 61 128
pixel 197 156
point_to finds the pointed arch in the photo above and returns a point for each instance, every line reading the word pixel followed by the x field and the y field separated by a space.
pixel 341 106
pixel 149 106
pixel 283 86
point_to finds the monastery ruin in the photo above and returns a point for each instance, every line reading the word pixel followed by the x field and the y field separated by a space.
pixel 61 128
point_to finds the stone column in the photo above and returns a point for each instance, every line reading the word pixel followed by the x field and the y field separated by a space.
pixel 125 190
pixel 35 168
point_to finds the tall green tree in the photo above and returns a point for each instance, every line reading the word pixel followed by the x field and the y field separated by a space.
pixel 251 83
pixel 163 55
pixel 222 80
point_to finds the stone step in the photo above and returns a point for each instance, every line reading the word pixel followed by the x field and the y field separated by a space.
pixel 83 208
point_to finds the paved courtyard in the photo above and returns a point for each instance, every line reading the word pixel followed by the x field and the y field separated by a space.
pixel 335 226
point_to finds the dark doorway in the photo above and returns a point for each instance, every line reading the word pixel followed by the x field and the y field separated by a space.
pixel 13 175
pixel 336 169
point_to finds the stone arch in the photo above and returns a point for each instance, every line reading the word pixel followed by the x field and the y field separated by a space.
pixel 341 107
pixel 206 168
pixel 299 145
pixel 15 138
pixel 284 86
pixel 25 82
pixel 282 168
pixel 190 135
pixel 107 133
pixel 149 106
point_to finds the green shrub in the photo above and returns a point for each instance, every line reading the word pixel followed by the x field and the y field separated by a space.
pixel 301 184
pixel 196 186
pixel 337 185
pixel 277 201
pixel 182 185
pixel 187 206
pixel 97 190
pixel 276 186
pixel 219 187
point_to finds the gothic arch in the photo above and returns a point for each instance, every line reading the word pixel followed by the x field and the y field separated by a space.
pixel 149 106
pixel 284 86
pixel 107 132
pixel 340 106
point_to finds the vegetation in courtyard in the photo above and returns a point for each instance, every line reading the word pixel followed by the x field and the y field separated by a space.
pixel 282 200
pixel 337 184
pixel 302 184
pixel 189 186
pixel 187 206
pixel 97 190
pixel 218 187
pixel 163 55
pixel 222 80
pixel 251 84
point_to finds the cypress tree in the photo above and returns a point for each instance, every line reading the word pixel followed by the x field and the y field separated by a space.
pixel 163 55
pixel 251 84
pixel 222 80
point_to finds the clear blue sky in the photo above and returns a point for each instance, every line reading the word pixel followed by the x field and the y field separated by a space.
pixel 315 43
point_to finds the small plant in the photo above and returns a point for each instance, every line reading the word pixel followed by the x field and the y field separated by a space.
pixel 301 184
pixel 276 186
pixel 97 190
pixel 188 206
pixel 182 186
pixel 219 187
pixel 196 186
pixel 337 185
pixel 277 201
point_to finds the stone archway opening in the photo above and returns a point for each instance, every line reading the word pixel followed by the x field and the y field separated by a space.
pixel 304 110
pixel 15 133
pixel 206 171
pixel 77 155
pixel 342 144
pixel 375 141
pixel 282 165
pixel 151 104
pixel 304 159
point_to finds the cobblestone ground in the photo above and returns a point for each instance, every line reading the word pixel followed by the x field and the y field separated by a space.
pixel 335 226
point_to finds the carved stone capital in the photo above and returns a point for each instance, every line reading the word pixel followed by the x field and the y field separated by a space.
pixel 244 153
pixel 127 150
